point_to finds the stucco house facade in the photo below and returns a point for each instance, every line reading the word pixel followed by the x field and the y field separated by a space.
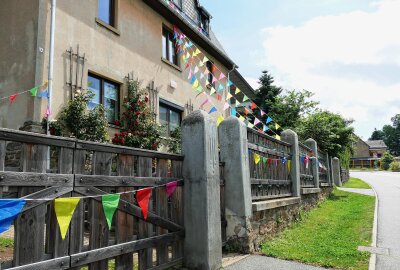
pixel 368 149
pixel 98 45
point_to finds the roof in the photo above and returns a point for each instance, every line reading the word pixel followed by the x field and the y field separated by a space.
pixel 376 144
pixel 242 84
pixel 209 43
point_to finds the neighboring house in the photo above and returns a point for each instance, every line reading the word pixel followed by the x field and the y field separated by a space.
pixel 368 149
pixel 116 39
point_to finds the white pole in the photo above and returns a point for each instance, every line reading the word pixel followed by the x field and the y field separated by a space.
pixel 51 60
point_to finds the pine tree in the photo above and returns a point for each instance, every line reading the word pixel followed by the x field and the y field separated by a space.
pixel 138 126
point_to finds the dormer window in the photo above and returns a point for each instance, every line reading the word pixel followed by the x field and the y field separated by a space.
pixel 204 21
pixel 178 3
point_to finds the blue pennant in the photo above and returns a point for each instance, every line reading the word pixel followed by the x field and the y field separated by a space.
pixel 44 94
pixel 233 112
pixel 213 109
pixel 9 210
pixel 269 120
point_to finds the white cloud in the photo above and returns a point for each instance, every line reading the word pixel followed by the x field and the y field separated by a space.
pixel 253 82
pixel 351 61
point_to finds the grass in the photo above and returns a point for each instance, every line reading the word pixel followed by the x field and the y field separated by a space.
pixel 6 243
pixel 330 234
pixel 356 183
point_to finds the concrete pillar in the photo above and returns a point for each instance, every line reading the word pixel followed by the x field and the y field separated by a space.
pixel 202 220
pixel 314 163
pixel 232 135
pixel 291 137
pixel 329 168
pixel 336 172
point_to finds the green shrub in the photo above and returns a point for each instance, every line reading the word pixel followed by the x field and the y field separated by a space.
pixel 395 166
pixel 387 158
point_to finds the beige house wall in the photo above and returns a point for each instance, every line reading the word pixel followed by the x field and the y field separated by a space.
pixel 137 48
pixel 361 149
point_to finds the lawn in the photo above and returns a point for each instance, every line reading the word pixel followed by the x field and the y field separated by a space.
pixel 356 183
pixel 330 234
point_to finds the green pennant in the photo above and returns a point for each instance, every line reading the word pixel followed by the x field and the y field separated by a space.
pixel 110 204
pixel 34 91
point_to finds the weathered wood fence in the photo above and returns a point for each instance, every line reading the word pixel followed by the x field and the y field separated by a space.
pixel 78 168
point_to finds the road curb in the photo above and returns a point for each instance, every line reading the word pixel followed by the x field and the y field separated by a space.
pixel 372 260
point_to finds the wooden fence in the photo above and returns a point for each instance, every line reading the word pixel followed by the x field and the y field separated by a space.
pixel 78 168
pixel 306 175
pixel 323 168
pixel 270 178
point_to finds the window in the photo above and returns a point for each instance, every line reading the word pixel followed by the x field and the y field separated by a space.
pixel 209 65
pixel 106 11
pixel 170 117
pixel 106 93
pixel 168 47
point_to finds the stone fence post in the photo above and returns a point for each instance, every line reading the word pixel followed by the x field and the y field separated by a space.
pixel 314 163
pixel 336 172
pixel 202 220
pixel 291 137
pixel 232 134
pixel 329 167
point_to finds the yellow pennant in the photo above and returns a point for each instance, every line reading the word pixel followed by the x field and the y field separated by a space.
pixel 212 91
pixel 278 137
pixel 237 91
pixel 196 52
pixel 257 158
pixel 195 84
pixel 219 120
pixel 64 208
pixel 241 118
pixel 289 164
pixel 228 96
pixel 277 126
pixel 250 125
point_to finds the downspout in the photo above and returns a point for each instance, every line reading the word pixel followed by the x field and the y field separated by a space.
pixel 51 60
pixel 228 88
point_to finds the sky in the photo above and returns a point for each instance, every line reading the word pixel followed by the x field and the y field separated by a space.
pixel 347 52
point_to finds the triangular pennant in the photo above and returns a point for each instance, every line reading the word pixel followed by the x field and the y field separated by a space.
pixel 196 69
pixel 256 158
pixel 289 162
pixel 246 111
pixel 277 137
pixel 221 76
pixel 226 106
pixel 110 203
pixel 219 97
pixel 170 188
pixel 205 102
pixel 284 160
pixel 201 76
pixel 200 64
pixel 269 120
pixel 245 98
pixel 277 126
pixel 195 84
pixel 64 208
pixel 219 120
pixel 253 106
pixel 230 83
pixel 213 110
pixel 9 210
pixel 196 52
pixel 220 88
pixel 142 198
pixel 190 74
pixel 265 128
pixel 187 66
pixel 233 112
pixel 237 91
pixel 264 160
pixel 205 59
pixel 250 125
pixel 262 113
pixel 213 79
pixel 237 103
pixel 256 121
pixel 34 91
pixel 47 113
pixel 241 118
pixel 269 161
pixel 228 96
pixel 213 91
pixel 12 98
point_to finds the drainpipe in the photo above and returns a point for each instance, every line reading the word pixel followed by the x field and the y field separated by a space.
pixel 51 60
pixel 228 88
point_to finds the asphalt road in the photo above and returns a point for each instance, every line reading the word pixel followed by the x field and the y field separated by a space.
pixel 387 186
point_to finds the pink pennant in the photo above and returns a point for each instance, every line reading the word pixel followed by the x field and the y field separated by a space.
pixel 256 121
pixel 226 106
pixel 47 113
pixel 171 187
pixel 214 79
pixel 196 69
pixel 204 102
pixel 221 76
pixel 190 74
pixel 262 113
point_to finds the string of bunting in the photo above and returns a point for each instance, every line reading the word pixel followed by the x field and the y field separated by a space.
pixel 189 52
pixel 64 207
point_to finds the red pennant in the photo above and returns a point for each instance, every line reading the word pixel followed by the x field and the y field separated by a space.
pixel 12 98
pixel 143 197
pixel 246 111
pixel 170 188
pixel 269 161
pixel 219 97
pixel 213 69
pixel 187 65
pixel 253 106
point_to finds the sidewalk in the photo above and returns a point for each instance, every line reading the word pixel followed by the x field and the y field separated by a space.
pixel 256 262
pixel 361 191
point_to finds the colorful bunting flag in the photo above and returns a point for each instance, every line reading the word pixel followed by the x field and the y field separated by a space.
pixel 237 103
pixel 262 112
pixel 219 97
pixel 245 98
pixel 142 198
pixel 226 106
pixel 64 208
pixel 12 98
pixel 196 69
pixel 277 137
pixel 213 110
pixel 34 91
pixel 233 112
pixel 230 83
pixel 277 126
pixel 170 188
pixel 250 125
pixel 221 76
pixel 269 120
pixel 253 106
pixel 110 203
pixel 264 159
pixel 213 79
pixel 265 128
pixel 204 102
pixel 284 160
pixel 241 118
pixel 256 158
pixel 220 88
pixel 195 84
pixel 289 163
pixel 219 120
pixel 228 96
pixel 246 111
pixel 212 91
pixel 256 121
pixel 9 210
pixel 237 91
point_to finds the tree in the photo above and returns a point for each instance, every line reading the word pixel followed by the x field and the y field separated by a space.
pixel 377 135
pixel 332 132
pixel 138 127
pixel 267 93
pixel 289 108
pixel 386 159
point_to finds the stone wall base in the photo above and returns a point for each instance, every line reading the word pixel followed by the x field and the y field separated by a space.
pixel 266 224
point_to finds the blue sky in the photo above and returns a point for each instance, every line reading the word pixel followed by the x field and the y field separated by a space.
pixel 346 52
